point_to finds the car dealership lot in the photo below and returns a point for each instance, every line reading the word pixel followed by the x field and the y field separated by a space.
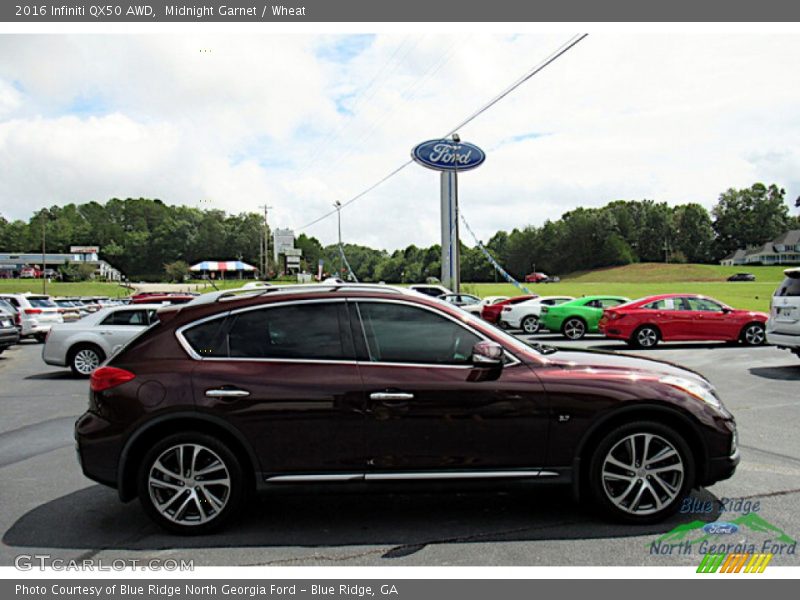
pixel 48 507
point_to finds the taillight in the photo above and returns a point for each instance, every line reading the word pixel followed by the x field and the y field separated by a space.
pixel 106 378
pixel 33 311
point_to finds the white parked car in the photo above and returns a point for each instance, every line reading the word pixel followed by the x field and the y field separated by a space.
pixel 84 345
pixel 37 313
pixel 783 326
pixel 525 315
pixel 430 289
pixel 476 309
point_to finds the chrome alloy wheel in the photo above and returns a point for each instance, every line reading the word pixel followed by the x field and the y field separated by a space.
pixel 647 337
pixel 574 329
pixel 642 473
pixel 189 484
pixel 754 335
pixel 530 324
pixel 86 361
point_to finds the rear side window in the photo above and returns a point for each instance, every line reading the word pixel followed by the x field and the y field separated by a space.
pixel 208 338
pixel 663 304
pixel 789 287
pixel 126 317
pixel 41 302
pixel 300 331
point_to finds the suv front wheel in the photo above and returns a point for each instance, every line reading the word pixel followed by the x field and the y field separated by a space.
pixel 640 472
pixel 190 483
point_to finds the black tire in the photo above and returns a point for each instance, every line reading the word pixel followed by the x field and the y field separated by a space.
pixel 604 487
pixel 647 336
pixel 80 359
pixel 530 324
pixel 40 338
pixel 574 328
pixel 753 334
pixel 199 497
pixel 502 324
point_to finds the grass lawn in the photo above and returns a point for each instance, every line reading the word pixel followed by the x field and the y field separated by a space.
pixel 645 279
pixel 86 288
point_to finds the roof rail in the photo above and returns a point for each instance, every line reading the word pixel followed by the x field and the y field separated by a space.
pixel 222 295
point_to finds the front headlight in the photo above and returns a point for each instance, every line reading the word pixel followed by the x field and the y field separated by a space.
pixel 699 391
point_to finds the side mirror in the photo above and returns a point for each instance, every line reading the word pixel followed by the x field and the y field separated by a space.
pixel 726 309
pixel 487 354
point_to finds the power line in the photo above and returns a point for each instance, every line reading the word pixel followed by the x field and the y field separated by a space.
pixel 560 51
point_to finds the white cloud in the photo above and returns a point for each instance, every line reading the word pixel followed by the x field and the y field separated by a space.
pixel 301 121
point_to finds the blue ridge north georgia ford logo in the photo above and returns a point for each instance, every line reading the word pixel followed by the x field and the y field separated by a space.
pixel 447 155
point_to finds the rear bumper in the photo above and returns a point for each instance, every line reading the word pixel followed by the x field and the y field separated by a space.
pixel 784 340
pixel 98 453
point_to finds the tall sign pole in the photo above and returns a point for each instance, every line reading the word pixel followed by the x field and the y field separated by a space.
pixel 265 244
pixel 449 156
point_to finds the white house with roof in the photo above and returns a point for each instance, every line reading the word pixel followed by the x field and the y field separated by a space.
pixel 783 250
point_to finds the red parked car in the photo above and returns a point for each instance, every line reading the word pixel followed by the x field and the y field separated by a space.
pixel 156 298
pixel 682 317
pixel 536 277
pixel 491 312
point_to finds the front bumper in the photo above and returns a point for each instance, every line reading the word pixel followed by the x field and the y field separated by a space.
pixel 722 468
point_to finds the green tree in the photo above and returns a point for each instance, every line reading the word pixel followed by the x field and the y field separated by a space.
pixel 749 216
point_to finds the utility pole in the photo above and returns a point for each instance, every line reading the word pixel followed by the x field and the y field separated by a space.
pixel 44 267
pixel 350 275
pixel 265 238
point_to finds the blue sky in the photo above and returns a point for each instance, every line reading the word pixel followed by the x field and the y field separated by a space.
pixel 301 121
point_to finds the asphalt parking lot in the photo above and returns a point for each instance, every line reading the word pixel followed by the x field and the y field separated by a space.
pixel 48 507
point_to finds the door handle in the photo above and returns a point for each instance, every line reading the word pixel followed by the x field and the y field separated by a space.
pixel 383 396
pixel 227 393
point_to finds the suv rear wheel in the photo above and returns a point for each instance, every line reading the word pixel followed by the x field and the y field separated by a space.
pixel 640 472
pixel 190 483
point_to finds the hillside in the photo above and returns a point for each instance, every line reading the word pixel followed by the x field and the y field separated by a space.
pixel 664 273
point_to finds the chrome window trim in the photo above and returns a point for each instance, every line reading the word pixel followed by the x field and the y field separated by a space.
pixel 513 360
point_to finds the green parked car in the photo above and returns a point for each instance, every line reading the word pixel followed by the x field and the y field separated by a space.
pixel 578 317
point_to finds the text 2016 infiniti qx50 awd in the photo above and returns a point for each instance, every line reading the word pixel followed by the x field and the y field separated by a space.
pixel 234 393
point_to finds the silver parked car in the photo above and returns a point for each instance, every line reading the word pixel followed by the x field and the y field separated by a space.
pixel 83 345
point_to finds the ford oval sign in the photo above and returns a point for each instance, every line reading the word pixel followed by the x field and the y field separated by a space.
pixel 447 155
pixel 721 528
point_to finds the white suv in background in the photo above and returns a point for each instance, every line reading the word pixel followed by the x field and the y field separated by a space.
pixel 783 326
pixel 37 313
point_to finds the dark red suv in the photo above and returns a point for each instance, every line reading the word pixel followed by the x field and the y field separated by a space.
pixel 330 383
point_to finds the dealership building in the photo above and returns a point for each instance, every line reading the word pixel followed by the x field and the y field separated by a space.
pixel 12 263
